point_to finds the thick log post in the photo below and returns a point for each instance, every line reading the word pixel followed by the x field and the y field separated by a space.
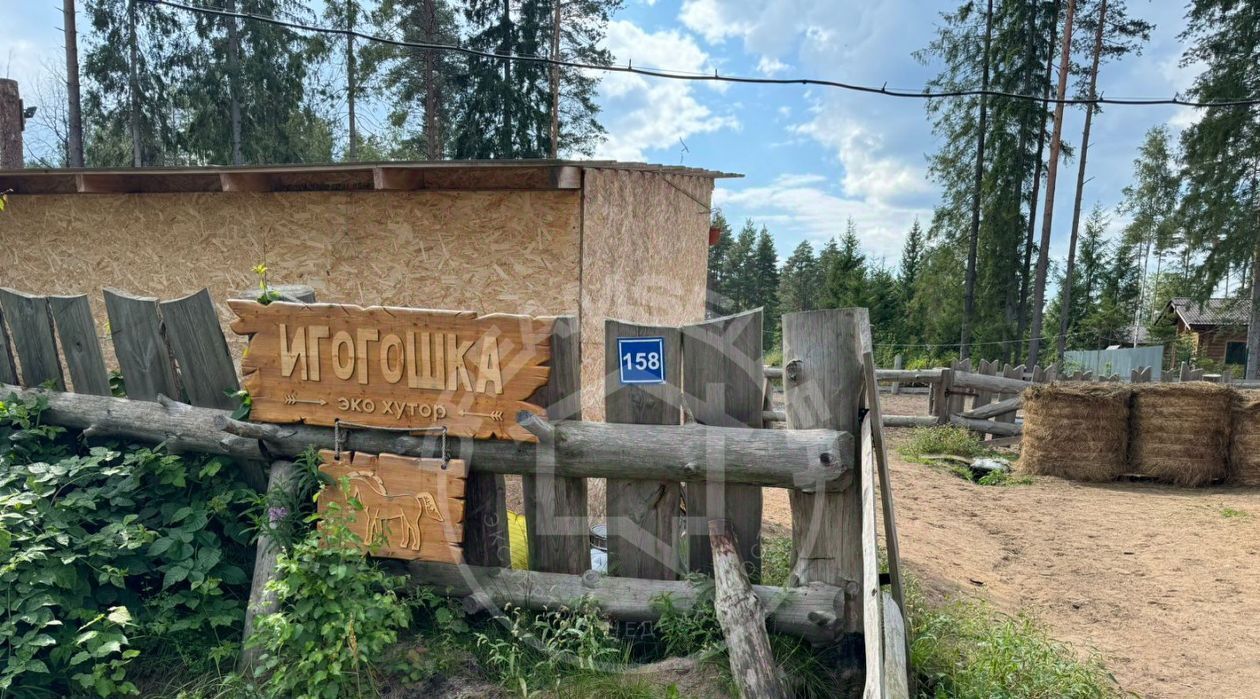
pixel 823 386
pixel 742 619
pixel 262 601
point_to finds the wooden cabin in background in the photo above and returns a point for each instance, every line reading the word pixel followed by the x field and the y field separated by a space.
pixel 1217 328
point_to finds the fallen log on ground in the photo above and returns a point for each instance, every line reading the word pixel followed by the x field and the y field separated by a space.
pixel 809 611
pixel 805 460
pixel 1002 429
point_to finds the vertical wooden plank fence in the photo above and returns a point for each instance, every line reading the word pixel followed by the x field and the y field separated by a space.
pixel 33 339
pixel 76 330
pixel 722 363
pixel 140 345
pixel 642 515
pixel 200 350
pixel 559 541
pixel 8 368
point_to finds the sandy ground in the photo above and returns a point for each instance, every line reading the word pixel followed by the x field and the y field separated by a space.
pixel 1157 580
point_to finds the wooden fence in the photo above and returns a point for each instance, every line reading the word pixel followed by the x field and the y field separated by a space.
pixel 987 398
pixel 695 439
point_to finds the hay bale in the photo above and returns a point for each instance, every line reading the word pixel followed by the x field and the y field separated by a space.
pixel 1245 445
pixel 1076 431
pixel 1180 432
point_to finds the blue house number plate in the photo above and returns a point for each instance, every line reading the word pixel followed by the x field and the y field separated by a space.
pixel 642 359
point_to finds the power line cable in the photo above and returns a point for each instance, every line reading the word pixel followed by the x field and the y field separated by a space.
pixel 883 90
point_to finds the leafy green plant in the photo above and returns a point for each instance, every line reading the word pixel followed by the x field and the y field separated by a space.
pixel 534 651
pixel 266 294
pixel 1004 478
pixel 110 553
pixel 693 630
pixel 1234 513
pixel 943 439
pixel 339 615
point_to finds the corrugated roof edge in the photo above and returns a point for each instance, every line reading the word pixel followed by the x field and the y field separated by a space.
pixel 405 175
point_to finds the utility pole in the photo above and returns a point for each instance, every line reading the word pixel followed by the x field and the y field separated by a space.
pixel 555 80
pixel 1052 171
pixel 10 125
pixel 969 293
pixel 1065 305
pixel 74 110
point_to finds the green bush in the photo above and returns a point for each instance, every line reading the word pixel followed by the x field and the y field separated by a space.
pixel 943 439
pixel 110 553
pixel 339 615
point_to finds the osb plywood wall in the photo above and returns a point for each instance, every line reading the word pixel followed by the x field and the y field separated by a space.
pixel 644 259
pixel 484 251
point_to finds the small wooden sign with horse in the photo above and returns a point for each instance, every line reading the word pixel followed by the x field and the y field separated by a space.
pixel 412 508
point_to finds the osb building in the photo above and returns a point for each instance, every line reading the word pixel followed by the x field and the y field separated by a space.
pixel 592 239
pixel 1217 327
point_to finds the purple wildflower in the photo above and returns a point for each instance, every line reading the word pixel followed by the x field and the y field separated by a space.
pixel 275 514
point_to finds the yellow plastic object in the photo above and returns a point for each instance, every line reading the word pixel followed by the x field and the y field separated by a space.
pixel 518 541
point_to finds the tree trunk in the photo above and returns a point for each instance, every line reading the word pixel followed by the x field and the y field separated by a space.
pixel 11 157
pixel 1025 281
pixel 133 84
pixel 1253 330
pixel 432 90
pixel 1052 171
pixel 281 480
pixel 555 81
pixel 74 110
pixel 969 292
pixel 352 149
pixel 506 94
pixel 1065 306
pixel 234 83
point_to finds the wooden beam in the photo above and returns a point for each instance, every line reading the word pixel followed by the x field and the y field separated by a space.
pixel 1002 429
pixel 1002 407
pixel 397 179
pixel 790 610
pixel 872 613
pixel 802 459
pixel 566 177
pixel 245 182
pixel 909 420
pixel 79 343
pixel 148 368
pixel 742 619
pixel 31 330
pixel 996 384
pixel 281 480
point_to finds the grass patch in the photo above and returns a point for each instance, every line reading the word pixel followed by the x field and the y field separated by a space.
pixel 1234 513
pixel 1004 478
pixel 943 439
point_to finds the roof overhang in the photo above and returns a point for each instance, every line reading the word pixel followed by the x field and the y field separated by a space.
pixel 386 176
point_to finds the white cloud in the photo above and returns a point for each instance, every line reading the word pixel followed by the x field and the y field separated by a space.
pixel 803 202
pixel 869 171
pixel 641 113
pixel 771 66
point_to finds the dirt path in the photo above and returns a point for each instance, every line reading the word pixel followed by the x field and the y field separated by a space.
pixel 1161 581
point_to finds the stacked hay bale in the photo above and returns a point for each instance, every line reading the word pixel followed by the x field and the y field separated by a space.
pixel 1078 431
pixel 1180 432
pixel 1245 448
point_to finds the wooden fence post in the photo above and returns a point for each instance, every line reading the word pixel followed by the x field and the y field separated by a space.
pixel 199 347
pixel 8 368
pixel 897 364
pixel 643 515
pixel 823 386
pixel 80 345
pixel 722 375
pixel 32 326
pixel 266 551
pixel 555 507
pixel 941 396
pixel 742 618
pixel 140 345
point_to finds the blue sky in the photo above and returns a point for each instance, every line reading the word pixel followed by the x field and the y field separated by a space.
pixel 812 157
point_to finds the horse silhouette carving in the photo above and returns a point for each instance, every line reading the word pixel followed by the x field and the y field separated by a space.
pixel 381 508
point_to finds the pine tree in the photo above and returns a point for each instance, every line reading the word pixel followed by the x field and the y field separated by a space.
pixel 505 107
pixel 800 280
pixel 911 258
pixel 1221 209
pixel 741 262
pixel 844 271
pixel 766 276
pixel 1151 202
pixel 418 82
pixel 277 122
pixel 131 69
